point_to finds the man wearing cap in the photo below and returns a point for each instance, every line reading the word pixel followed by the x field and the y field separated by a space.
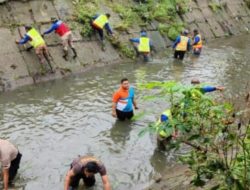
pixel 37 42
pixel 99 22
pixel 181 45
pixel 142 45
pixel 165 135
pixel 197 44
pixel 10 159
pixel 65 34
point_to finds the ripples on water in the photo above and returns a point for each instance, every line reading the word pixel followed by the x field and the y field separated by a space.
pixel 52 123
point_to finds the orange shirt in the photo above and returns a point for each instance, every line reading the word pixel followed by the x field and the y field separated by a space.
pixel 124 99
pixel 120 94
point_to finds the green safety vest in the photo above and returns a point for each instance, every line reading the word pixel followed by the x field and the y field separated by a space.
pixel 196 93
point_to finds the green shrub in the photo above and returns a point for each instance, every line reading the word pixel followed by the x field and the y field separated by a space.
pixel 171 30
pixel 128 16
pixel 84 11
pixel 218 135
pixel 215 6
pixel 164 10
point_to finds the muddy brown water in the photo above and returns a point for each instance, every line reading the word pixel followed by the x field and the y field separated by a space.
pixel 54 122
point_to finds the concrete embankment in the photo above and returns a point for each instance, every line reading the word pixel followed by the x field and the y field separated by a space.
pixel 18 67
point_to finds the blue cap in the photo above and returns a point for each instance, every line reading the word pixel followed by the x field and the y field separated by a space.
pixel 164 118
pixel 185 32
pixel 143 33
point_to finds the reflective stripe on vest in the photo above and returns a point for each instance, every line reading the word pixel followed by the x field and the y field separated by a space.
pixel 144 45
pixel 36 38
pixel 182 46
pixel 199 44
pixel 100 21
pixel 167 113
pixel 62 29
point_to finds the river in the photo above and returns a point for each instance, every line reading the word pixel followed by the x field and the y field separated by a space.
pixel 54 122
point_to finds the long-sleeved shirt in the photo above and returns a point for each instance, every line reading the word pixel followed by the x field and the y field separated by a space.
pixel 106 26
pixel 24 40
pixel 196 39
pixel 178 40
pixel 206 89
pixel 53 27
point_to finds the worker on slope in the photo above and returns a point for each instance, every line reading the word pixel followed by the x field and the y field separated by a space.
pixel 65 34
pixel 99 22
pixel 37 42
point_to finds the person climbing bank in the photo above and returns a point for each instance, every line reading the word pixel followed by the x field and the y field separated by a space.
pixel 37 42
pixel 85 168
pixel 65 34
pixel 123 101
pixel 99 22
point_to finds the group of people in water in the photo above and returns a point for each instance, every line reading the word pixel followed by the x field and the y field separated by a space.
pixel 85 167
pixel 123 103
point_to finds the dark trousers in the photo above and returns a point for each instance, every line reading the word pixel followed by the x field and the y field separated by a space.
pixel 179 54
pixel 123 115
pixel 197 51
pixel 88 181
pixel 14 166
pixel 100 32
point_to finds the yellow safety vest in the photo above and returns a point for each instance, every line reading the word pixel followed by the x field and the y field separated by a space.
pixel 196 93
pixel 144 45
pixel 162 133
pixel 199 44
pixel 100 21
pixel 36 38
pixel 182 46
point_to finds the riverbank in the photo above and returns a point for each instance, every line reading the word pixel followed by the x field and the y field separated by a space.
pixel 19 67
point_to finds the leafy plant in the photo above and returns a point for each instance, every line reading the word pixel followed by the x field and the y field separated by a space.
pixel 215 6
pixel 172 30
pixel 128 16
pixel 218 135
pixel 84 11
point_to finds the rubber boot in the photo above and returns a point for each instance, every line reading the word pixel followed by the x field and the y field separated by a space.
pixel 103 45
pixel 75 53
